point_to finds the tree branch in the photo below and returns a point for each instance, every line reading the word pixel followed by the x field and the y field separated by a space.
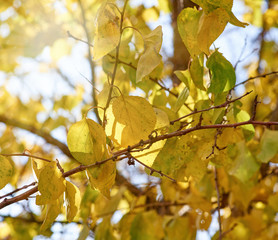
pixel 91 63
pixel 125 151
pixel 46 136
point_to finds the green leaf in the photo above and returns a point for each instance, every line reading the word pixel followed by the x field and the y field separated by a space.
pixel 51 184
pixel 150 58
pixel 87 141
pixel 129 119
pixel 245 165
pixel 147 226
pixel 107 31
pixel 73 200
pixel 188 25
pixel 269 145
pixel 223 76
pixel 197 72
pixel 210 27
pixel 242 116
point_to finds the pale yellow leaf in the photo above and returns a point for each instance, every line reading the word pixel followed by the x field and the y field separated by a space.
pixel 150 58
pixel 51 184
pixel 87 141
pixel 73 200
pixel 148 156
pixel 188 24
pixel 129 119
pixel 52 211
pixel 107 31
pixel 210 27
pixel 102 177
pixel 6 171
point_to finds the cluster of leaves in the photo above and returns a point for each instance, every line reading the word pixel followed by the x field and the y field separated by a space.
pixel 208 148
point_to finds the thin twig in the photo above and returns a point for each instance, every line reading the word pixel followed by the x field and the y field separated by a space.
pixel 153 170
pixel 210 108
pixel 156 81
pixel 24 155
pixel 31 128
pixel 146 205
pixel 18 189
pixel 91 63
pixel 115 66
pixel 259 76
pixel 226 232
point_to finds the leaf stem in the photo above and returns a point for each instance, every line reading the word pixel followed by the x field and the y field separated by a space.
pixel 115 66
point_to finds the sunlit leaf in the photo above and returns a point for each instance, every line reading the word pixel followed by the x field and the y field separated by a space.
pixel 184 76
pixel 107 31
pixel 73 200
pixel 87 141
pixel 52 211
pixel 188 25
pixel 162 122
pixel 6 171
pixel 129 119
pixel 181 99
pixel 150 58
pixel 51 184
pixel 102 177
pixel 248 130
pixel 210 27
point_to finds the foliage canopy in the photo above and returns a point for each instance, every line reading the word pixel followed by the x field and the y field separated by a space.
pixel 153 145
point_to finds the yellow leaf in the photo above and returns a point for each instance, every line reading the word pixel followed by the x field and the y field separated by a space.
pixel 102 178
pixel 188 24
pixel 73 200
pixel 104 230
pixel 51 184
pixel 175 229
pixel 107 31
pixel 129 119
pixel 210 27
pixel 87 141
pixel 148 156
pixel 147 225
pixel 52 211
pixel 37 166
pixel 6 171
pixel 151 58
